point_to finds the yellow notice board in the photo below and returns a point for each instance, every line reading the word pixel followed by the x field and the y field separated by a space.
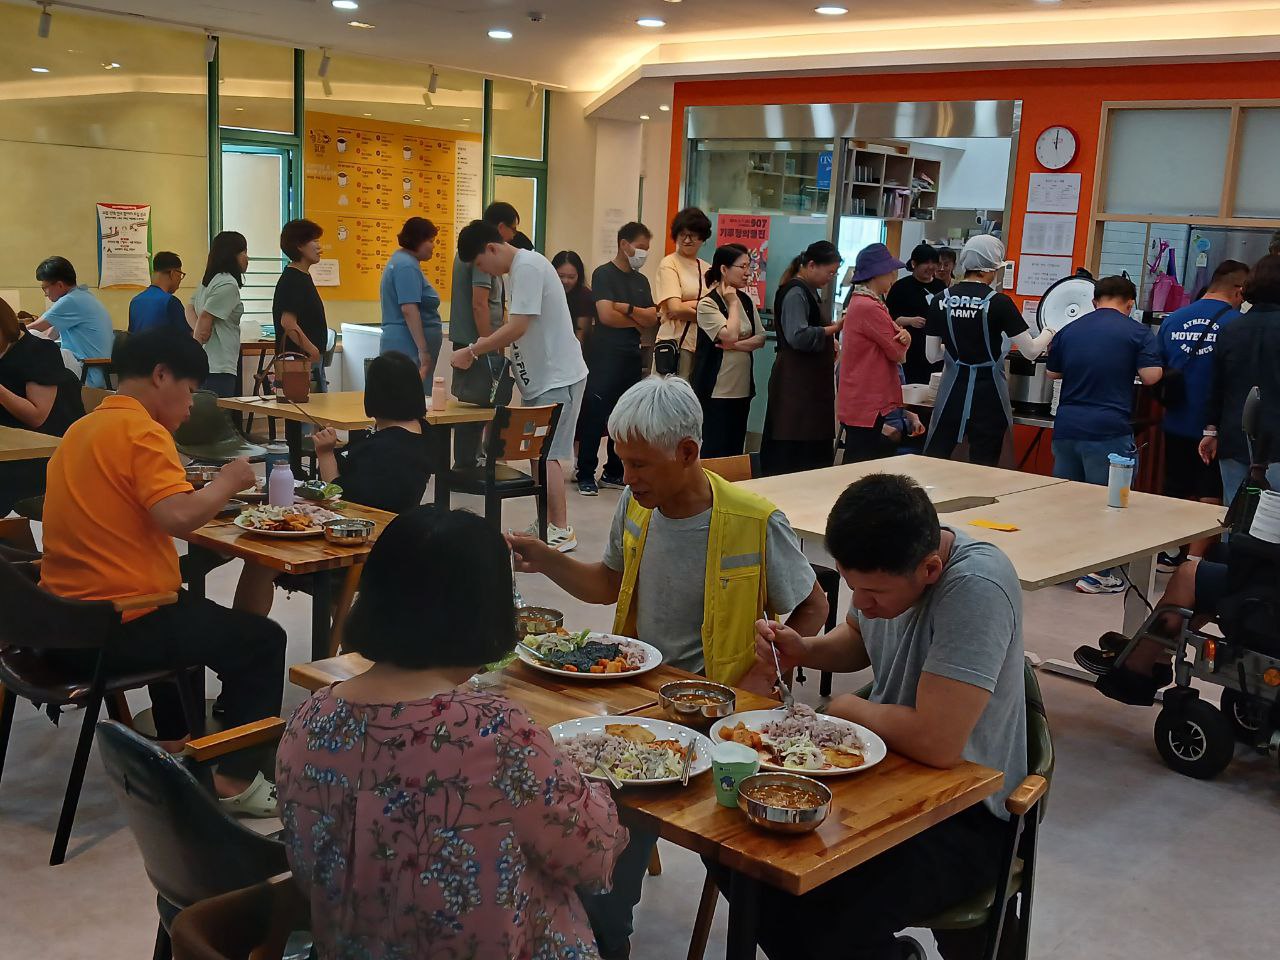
pixel 364 178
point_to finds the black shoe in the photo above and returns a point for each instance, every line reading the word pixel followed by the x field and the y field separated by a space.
pixel 615 483
pixel 1098 662
pixel 1132 688
pixel 1169 562
pixel 1112 641
pixel 587 487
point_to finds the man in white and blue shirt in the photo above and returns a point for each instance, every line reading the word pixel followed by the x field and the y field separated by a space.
pixel 82 322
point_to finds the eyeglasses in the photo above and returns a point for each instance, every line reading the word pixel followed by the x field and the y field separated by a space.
pixel 181 274
pixel 685 238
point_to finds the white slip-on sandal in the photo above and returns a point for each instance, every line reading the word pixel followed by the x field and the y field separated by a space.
pixel 258 800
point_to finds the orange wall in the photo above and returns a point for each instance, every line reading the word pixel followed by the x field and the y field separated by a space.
pixel 1069 96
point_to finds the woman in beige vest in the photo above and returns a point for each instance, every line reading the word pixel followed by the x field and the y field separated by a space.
pixel 681 284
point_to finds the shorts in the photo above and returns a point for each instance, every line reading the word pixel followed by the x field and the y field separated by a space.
pixel 1186 476
pixel 1211 586
pixel 570 399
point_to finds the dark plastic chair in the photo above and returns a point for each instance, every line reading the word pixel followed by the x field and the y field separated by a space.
pixel 32 508
pixel 258 922
pixel 210 436
pixel 517 433
pixel 29 668
pixel 192 850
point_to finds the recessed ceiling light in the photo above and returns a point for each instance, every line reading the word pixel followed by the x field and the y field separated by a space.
pixel 650 22
pixel 361 25
pixel 239 109
pixel 831 11
pixel 112 65
pixel 644 116
pixel 466 119
pixel 346 5
pixel 368 114
pixel 498 33
pixel 663 107
pixel 39 69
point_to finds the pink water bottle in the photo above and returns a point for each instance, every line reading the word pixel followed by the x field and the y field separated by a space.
pixel 439 399
pixel 280 485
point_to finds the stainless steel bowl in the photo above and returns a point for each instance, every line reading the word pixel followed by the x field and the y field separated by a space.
pixel 348 531
pixel 198 474
pixel 545 619
pixel 784 819
pixel 699 715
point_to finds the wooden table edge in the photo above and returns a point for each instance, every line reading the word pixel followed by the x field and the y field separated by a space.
pixel 1032 585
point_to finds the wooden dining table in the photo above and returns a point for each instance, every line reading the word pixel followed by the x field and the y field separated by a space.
pixel 344 410
pixel 871 811
pixel 19 444
pixel 313 557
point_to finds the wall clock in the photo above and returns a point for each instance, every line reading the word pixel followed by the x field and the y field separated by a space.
pixel 1056 147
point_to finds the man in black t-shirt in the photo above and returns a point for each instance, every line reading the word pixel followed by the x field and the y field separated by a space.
pixel 624 307
pixel 297 308
pixel 910 301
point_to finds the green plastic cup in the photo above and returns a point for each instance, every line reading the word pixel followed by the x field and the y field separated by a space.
pixel 731 763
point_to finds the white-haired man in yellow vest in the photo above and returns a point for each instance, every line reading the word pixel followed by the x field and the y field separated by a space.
pixel 692 562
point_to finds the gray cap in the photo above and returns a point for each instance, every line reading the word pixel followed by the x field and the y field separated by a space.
pixel 981 254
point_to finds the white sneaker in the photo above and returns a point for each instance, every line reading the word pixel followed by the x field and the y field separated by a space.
pixel 561 538
pixel 1100 583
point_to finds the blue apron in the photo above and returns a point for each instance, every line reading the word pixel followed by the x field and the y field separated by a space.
pixel 951 373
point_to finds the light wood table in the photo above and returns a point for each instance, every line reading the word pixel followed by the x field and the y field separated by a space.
pixel 344 410
pixel 314 557
pixel 19 444
pixel 870 812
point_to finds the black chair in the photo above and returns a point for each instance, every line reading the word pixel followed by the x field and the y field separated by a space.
pixel 30 668
pixel 517 433
pixel 191 848
pixel 259 922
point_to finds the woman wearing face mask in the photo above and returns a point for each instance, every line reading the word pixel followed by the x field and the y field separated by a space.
pixel 799 427
pixel 410 304
pixel 681 284
pixel 966 328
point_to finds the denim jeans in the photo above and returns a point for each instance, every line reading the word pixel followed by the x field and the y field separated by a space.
pixel 1233 474
pixel 1086 461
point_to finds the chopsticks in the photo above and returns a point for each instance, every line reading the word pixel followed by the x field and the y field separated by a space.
pixel 298 407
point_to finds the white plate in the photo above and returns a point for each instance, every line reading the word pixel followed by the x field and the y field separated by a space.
pixel 652 658
pixel 662 729
pixel 278 534
pixel 873 748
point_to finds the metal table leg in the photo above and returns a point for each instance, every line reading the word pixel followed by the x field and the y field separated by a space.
pixel 744 911
pixel 1142 574
pixel 321 614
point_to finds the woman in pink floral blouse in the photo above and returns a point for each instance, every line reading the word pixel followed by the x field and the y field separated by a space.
pixel 425 818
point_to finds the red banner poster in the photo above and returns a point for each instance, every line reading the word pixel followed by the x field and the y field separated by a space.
pixel 751 232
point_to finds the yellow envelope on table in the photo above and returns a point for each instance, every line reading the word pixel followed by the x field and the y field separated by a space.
pixel 993 525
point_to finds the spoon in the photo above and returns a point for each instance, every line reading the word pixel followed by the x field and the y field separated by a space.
pixel 688 761
pixel 609 774
pixel 788 701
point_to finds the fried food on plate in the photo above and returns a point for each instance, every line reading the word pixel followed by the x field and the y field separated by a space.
pixel 630 731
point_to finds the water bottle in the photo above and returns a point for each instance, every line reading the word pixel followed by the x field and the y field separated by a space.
pixel 1119 479
pixel 280 485
pixel 439 395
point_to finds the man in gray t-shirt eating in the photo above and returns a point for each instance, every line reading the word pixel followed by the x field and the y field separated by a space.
pixel 937 616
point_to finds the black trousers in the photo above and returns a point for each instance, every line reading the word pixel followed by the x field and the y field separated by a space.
pixel 855 916
pixel 613 372
pixel 866 443
pixel 245 650
pixel 985 430
pixel 724 426
pixel 20 479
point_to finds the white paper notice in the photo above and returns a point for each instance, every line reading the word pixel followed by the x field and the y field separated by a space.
pixel 613 220
pixel 325 273
pixel 124 245
pixel 1054 192
pixel 1029 310
pixel 467 168
pixel 1036 274
pixel 1049 233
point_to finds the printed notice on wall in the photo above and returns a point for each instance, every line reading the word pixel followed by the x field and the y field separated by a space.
pixel 325 273
pixel 467 165
pixel 1029 310
pixel 614 219
pixel 124 245
pixel 1053 234
pixel 1054 193
pixel 1036 274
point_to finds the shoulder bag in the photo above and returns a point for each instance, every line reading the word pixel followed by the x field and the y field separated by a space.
pixel 1170 390
pixel 666 353
pixel 486 383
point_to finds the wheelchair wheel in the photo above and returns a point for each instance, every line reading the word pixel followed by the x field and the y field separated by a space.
pixel 1194 738
pixel 1245 716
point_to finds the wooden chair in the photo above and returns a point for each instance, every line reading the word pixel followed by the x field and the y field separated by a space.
pixel 516 433
pixel 28 668
pixel 101 363
pixel 747 467
pixel 258 922
pixel 342 607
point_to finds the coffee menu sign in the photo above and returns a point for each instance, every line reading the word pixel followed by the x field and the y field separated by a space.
pixel 364 178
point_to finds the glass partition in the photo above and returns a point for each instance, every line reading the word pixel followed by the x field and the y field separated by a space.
pixel 1256 193
pixel 1166 161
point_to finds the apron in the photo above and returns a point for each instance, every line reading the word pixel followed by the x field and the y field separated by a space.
pixel 951 373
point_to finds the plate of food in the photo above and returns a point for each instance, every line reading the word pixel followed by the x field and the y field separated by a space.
pixel 301 520
pixel 586 655
pixel 637 750
pixel 801 740
pixel 317 491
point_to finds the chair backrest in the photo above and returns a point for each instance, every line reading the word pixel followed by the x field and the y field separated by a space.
pixel 742 467
pixel 191 849
pixel 1040 757
pixel 48 622
pixel 208 422
pixel 522 433
pixel 16 532
pixel 92 396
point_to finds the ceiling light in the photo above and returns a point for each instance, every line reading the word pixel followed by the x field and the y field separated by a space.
pixel 368 114
pixel 831 11
pixel 426 99
pixel 210 47
pixel 361 25
pixel 466 119
pixel 39 69
pixel 345 5
pixel 46 22
pixel 112 65
pixel 532 96
pixel 499 33
pixel 650 22
pixel 322 71
pixel 644 116
pixel 434 81
pixel 419 119
pixel 663 107
pixel 326 86
pixel 239 109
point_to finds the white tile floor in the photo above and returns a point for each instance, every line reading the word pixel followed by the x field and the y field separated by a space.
pixel 1136 861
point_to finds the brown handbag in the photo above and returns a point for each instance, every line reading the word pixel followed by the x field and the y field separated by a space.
pixel 292 376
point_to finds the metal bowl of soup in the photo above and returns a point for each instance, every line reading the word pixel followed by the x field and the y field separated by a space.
pixel 349 531
pixel 696 703
pixel 538 620
pixel 784 802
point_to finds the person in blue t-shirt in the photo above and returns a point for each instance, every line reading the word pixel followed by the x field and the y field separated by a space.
pixel 157 306
pixel 410 304
pixel 82 322
pixel 1096 358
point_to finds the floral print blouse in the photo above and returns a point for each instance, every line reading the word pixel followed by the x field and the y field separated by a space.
pixel 449 828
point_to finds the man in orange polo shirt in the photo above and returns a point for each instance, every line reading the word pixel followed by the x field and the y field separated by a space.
pixel 117 496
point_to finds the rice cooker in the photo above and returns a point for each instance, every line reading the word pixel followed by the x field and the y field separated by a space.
pixel 1030 388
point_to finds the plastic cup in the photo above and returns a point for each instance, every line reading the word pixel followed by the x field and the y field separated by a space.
pixel 731 763
pixel 1119 479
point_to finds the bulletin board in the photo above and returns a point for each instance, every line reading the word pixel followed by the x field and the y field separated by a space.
pixel 365 177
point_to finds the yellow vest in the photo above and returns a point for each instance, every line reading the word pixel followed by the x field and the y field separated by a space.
pixel 735 591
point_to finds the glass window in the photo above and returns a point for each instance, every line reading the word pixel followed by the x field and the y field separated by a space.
pixel 769 176
pixel 1166 161
pixel 1256 194
pixel 517 120
pixel 255 85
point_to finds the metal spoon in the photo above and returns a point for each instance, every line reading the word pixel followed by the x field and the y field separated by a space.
pixel 788 701
pixel 609 774
pixel 688 761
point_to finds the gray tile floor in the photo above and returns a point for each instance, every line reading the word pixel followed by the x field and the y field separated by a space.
pixel 1136 859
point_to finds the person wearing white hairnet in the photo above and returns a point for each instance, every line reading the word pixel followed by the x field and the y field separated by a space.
pixel 966 328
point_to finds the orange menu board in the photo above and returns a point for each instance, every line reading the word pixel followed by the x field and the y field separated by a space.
pixel 364 178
